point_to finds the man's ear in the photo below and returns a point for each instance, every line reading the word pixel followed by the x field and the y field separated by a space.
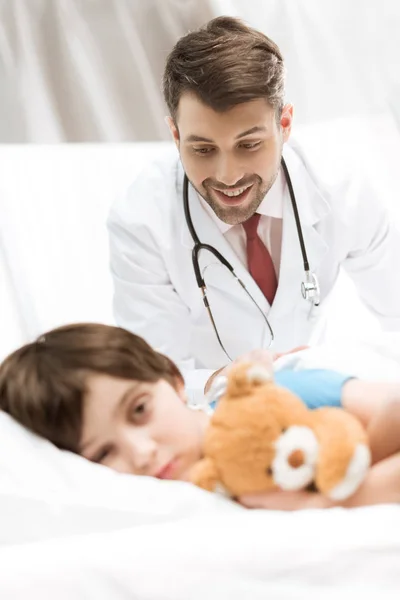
pixel 286 121
pixel 173 129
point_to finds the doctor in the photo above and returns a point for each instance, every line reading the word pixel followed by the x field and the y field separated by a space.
pixel 229 201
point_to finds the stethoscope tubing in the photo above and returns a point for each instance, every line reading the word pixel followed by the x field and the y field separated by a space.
pixel 198 245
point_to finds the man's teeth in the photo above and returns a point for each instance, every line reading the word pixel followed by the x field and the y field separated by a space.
pixel 234 192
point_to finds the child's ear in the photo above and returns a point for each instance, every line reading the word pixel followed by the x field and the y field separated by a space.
pixel 180 389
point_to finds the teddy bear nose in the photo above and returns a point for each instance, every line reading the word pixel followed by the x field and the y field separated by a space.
pixel 296 458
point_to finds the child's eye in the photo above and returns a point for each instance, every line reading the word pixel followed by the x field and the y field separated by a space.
pixel 101 454
pixel 139 410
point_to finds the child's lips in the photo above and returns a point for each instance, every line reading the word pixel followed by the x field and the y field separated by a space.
pixel 168 471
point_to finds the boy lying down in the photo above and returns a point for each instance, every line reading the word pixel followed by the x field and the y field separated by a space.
pixel 104 393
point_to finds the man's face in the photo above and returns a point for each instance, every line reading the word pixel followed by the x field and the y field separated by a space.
pixel 231 158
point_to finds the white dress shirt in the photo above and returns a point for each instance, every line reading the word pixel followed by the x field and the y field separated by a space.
pixel 269 227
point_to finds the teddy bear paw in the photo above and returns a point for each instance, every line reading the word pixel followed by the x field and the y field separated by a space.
pixel 354 476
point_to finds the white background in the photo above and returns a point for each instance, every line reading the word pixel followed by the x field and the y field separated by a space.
pixel 79 70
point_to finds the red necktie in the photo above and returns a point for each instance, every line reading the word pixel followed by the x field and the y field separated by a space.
pixel 259 260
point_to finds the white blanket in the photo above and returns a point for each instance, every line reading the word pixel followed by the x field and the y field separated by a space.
pixel 73 530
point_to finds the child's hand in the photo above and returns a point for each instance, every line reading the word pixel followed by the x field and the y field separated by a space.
pixel 279 500
pixel 381 486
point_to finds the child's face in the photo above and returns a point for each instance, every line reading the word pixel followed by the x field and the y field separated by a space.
pixel 141 428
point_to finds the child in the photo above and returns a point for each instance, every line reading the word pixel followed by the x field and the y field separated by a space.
pixel 104 393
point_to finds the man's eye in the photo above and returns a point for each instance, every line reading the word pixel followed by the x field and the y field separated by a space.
pixel 202 151
pixel 251 145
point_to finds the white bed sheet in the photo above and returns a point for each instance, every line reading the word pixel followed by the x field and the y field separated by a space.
pixel 252 554
pixel 73 530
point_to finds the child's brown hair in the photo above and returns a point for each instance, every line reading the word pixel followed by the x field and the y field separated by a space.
pixel 43 384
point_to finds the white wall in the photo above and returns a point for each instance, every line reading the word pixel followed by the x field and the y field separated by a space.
pixel 78 70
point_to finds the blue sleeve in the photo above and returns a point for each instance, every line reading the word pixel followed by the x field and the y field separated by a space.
pixel 316 387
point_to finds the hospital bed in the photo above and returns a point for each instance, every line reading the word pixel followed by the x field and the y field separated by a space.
pixel 71 529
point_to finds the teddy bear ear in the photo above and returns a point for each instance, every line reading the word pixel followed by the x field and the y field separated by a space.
pixel 244 377
pixel 259 374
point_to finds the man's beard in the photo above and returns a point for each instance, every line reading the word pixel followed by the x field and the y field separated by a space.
pixel 233 215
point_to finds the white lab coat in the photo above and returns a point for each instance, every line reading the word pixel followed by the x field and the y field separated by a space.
pixel 344 224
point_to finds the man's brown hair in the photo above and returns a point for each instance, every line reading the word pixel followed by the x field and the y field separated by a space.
pixel 225 63
pixel 43 384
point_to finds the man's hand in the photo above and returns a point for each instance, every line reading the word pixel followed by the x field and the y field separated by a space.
pixel 261 356
pixel 297 349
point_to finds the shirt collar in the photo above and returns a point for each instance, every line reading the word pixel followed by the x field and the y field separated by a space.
pixel 271 206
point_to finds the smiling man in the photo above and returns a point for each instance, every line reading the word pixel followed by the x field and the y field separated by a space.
pixel 228 200
pixel 231 168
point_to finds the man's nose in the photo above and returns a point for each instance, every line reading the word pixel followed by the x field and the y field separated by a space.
pixel 229 171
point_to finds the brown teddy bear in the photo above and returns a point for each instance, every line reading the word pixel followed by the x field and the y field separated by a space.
pixel 262 437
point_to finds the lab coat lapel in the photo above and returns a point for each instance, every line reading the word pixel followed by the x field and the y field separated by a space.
pixel 312 207
pixel 209 233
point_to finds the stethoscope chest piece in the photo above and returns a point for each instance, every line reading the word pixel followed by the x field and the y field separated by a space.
pixel 310 288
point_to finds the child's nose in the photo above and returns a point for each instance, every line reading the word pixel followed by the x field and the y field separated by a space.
pixel 140 454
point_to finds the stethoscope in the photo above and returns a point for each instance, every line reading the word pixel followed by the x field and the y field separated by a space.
pixel 309 286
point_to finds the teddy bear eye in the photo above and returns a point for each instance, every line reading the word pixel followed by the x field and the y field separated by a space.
pixel 268 471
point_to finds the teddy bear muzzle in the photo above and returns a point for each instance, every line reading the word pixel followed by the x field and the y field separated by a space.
pixel 296 459
pixel 296 453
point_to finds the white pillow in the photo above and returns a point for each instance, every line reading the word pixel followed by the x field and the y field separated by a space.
pixel 46 492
